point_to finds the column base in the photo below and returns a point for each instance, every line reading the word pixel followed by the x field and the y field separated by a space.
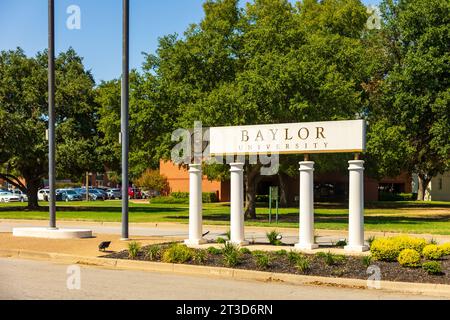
pixel 195 242
pixel 302 246
pixel 239 243
pixel 356 248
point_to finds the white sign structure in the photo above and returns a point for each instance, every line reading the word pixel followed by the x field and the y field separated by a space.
pixel 308 137
pixel 297 138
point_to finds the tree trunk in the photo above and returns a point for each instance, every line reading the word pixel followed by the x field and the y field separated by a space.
pixel 283 195
pixel 251 180
pixel 32 191
pixel 424 181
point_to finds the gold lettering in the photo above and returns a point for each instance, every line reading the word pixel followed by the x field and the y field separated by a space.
pixel 306 132
pixel 244 136
pixel 320 133
pixel 274 133
pixel 287 134
pixel 259 136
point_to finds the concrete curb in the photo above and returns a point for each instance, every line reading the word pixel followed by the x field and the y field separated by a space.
pixel 437 290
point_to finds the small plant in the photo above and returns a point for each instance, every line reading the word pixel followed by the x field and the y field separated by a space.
pixel 253 241
pixel 199 256
pixel 262 261
pixel 228 234
pixel 231 254
pixel 366 260
pixel 177 254
pixel 221 240
pixel 432 267
pixel 445 247
pixel 293 257
pixel 245 251
pixel 330 258
pixel 409 258
pixel 257 252
pixel 281 252
pixel 303 264
pixel 133 249
pixel 214 251
pixel 273 237
pixel 432 252
pixel 433 241
pixel 341 243
pixel 370 240
pixel 153 252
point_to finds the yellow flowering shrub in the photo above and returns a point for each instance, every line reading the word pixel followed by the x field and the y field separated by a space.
pixel 409 258
pixel 445 247
pixel 388 249
pixel 432 252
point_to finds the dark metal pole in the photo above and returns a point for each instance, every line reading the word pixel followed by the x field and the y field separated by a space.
pixel 51 112
pixel 124 117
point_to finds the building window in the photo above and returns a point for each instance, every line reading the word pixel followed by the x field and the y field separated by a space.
pixel 440 183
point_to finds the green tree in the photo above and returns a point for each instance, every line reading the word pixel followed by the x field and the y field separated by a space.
pixel 410 116
pixel 23 119
pixel 269 62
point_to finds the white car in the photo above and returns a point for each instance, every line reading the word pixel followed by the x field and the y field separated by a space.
pixel 22 196
pixel 43 194
pixel 8 197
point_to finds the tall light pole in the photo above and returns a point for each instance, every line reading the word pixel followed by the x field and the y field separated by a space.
pixel 51 112
pixel 124 115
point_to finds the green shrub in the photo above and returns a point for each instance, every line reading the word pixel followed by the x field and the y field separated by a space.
pixel 432 267
pixel 432 252
pixel 293 257
pixel 228 234
pixel 180 195
pixel 367 260
pixel 262 198
pixel 341 243
pixel 409 258
pixel 199 256
pixel 281 252
pixel 272 237
pixel 209 197
pixel 168 200
pixel 445 247
pixel 370 240
pixel 214 251
pixel 303 264
pixel 231 254
pixel 177 253
pixel 221 240
pixel 245 251
pixel 153 252
pixel 388 249
pixel 262 261
pixel 133 249
pixel 330 258
pixel 388 196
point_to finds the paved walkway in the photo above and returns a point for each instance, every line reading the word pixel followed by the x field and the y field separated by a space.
pixel 21 279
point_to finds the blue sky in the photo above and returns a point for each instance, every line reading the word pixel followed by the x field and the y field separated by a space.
pixel 24 24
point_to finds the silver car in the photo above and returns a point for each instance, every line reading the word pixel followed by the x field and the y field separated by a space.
pixel 6 196
pixel 22 196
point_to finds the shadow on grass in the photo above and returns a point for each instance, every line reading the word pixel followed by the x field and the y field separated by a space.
pixel 95 209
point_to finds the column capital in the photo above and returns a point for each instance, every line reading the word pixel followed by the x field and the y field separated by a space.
pixel 195 167
pixel 236 166
pixel 306 166
pixel 356 165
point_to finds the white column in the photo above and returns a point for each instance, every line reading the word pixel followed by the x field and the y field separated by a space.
pixel 306 206
pixel 356 207
pixel 237 204
pixel 195 205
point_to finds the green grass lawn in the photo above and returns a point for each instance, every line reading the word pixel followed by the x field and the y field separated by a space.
pixel 408 217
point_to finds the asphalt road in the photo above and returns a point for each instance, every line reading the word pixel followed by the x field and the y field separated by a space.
pixel 24 279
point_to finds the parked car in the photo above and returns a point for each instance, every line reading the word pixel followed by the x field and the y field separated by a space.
pixel 22 196
pixel 134 193
pixel 43 194
pixel 114 194
pixel 69 195
pixel 6 196
pixel 96 194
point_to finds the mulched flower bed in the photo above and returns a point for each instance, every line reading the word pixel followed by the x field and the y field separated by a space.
pixel 349 267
